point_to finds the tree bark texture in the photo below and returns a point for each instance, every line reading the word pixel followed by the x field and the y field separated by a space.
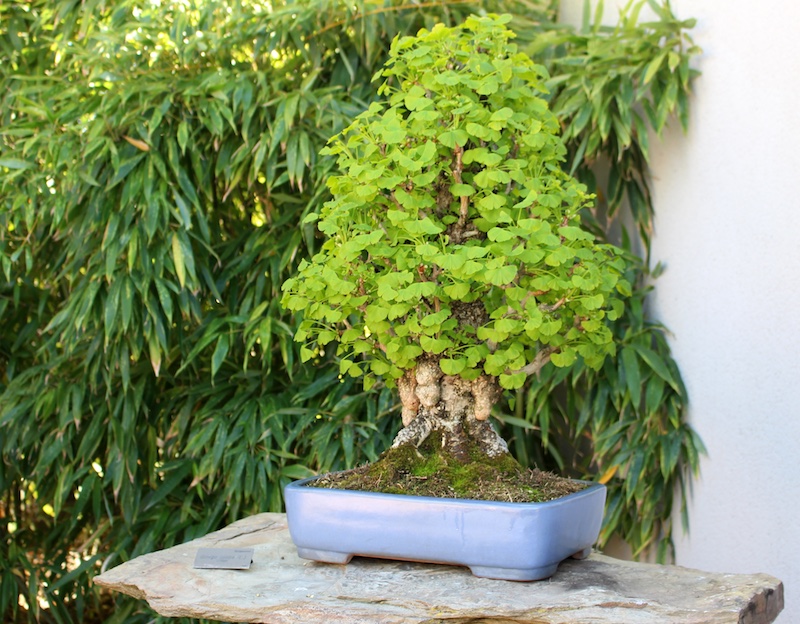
pixel 456 408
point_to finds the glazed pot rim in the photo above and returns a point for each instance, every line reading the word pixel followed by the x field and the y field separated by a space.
pixel 591 488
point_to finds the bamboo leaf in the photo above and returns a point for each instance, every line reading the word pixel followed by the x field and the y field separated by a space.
pixel 654 66
pixel 633 379
pixel 657 364
pixel 155 355
pixel 220 352
pixel 138 144
pixel 178 260
pixel 15 163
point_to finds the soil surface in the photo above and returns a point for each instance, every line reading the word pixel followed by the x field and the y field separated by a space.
pixel 427 471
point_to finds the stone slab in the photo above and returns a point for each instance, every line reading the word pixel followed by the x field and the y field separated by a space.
pixel 281 588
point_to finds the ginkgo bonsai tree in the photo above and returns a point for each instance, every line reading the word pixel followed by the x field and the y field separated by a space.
pixel 455 264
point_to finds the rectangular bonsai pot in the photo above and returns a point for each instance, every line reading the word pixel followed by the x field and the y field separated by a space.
pixel 512 541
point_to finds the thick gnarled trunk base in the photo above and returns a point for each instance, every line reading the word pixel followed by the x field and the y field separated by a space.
pixel 455 408
pixel 448 448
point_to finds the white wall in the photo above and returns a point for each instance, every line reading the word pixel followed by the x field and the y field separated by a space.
pixel 727 198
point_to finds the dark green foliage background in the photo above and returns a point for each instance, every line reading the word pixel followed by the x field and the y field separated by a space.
pixel 155 165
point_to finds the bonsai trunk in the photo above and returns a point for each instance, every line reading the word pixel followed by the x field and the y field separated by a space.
pixel 456 408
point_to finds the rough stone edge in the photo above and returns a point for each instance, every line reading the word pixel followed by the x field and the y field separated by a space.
pixel 765 606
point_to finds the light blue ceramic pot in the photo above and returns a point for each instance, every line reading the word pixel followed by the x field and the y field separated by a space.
pixel 512 541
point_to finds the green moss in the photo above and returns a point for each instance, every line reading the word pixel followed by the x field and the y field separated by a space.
pixel 430 471
pixel 428 466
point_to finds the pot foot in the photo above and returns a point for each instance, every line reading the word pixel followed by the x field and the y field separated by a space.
pixel 515 574
pixel 582 554
pixel 325 556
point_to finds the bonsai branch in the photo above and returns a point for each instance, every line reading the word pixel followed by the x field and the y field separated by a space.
pixel 553 307
pixel 542 358
pixel 458 167
pixel 396 202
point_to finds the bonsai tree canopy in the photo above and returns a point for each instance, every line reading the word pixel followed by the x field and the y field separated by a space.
pixel 455 263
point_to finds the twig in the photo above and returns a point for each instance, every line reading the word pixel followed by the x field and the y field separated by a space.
pixel 457 169
pixel 542 358
pixel 394 199
pixel 553 307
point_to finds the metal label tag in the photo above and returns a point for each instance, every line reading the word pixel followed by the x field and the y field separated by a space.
pixel 224 558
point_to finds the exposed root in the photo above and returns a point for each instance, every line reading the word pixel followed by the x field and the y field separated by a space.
pixel 428 389
pixel 416 432
pixel 455 408
pixel 486 392
pixel 406 387
pixel 488 440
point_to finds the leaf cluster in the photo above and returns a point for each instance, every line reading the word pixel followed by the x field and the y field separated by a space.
pixel 452 197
